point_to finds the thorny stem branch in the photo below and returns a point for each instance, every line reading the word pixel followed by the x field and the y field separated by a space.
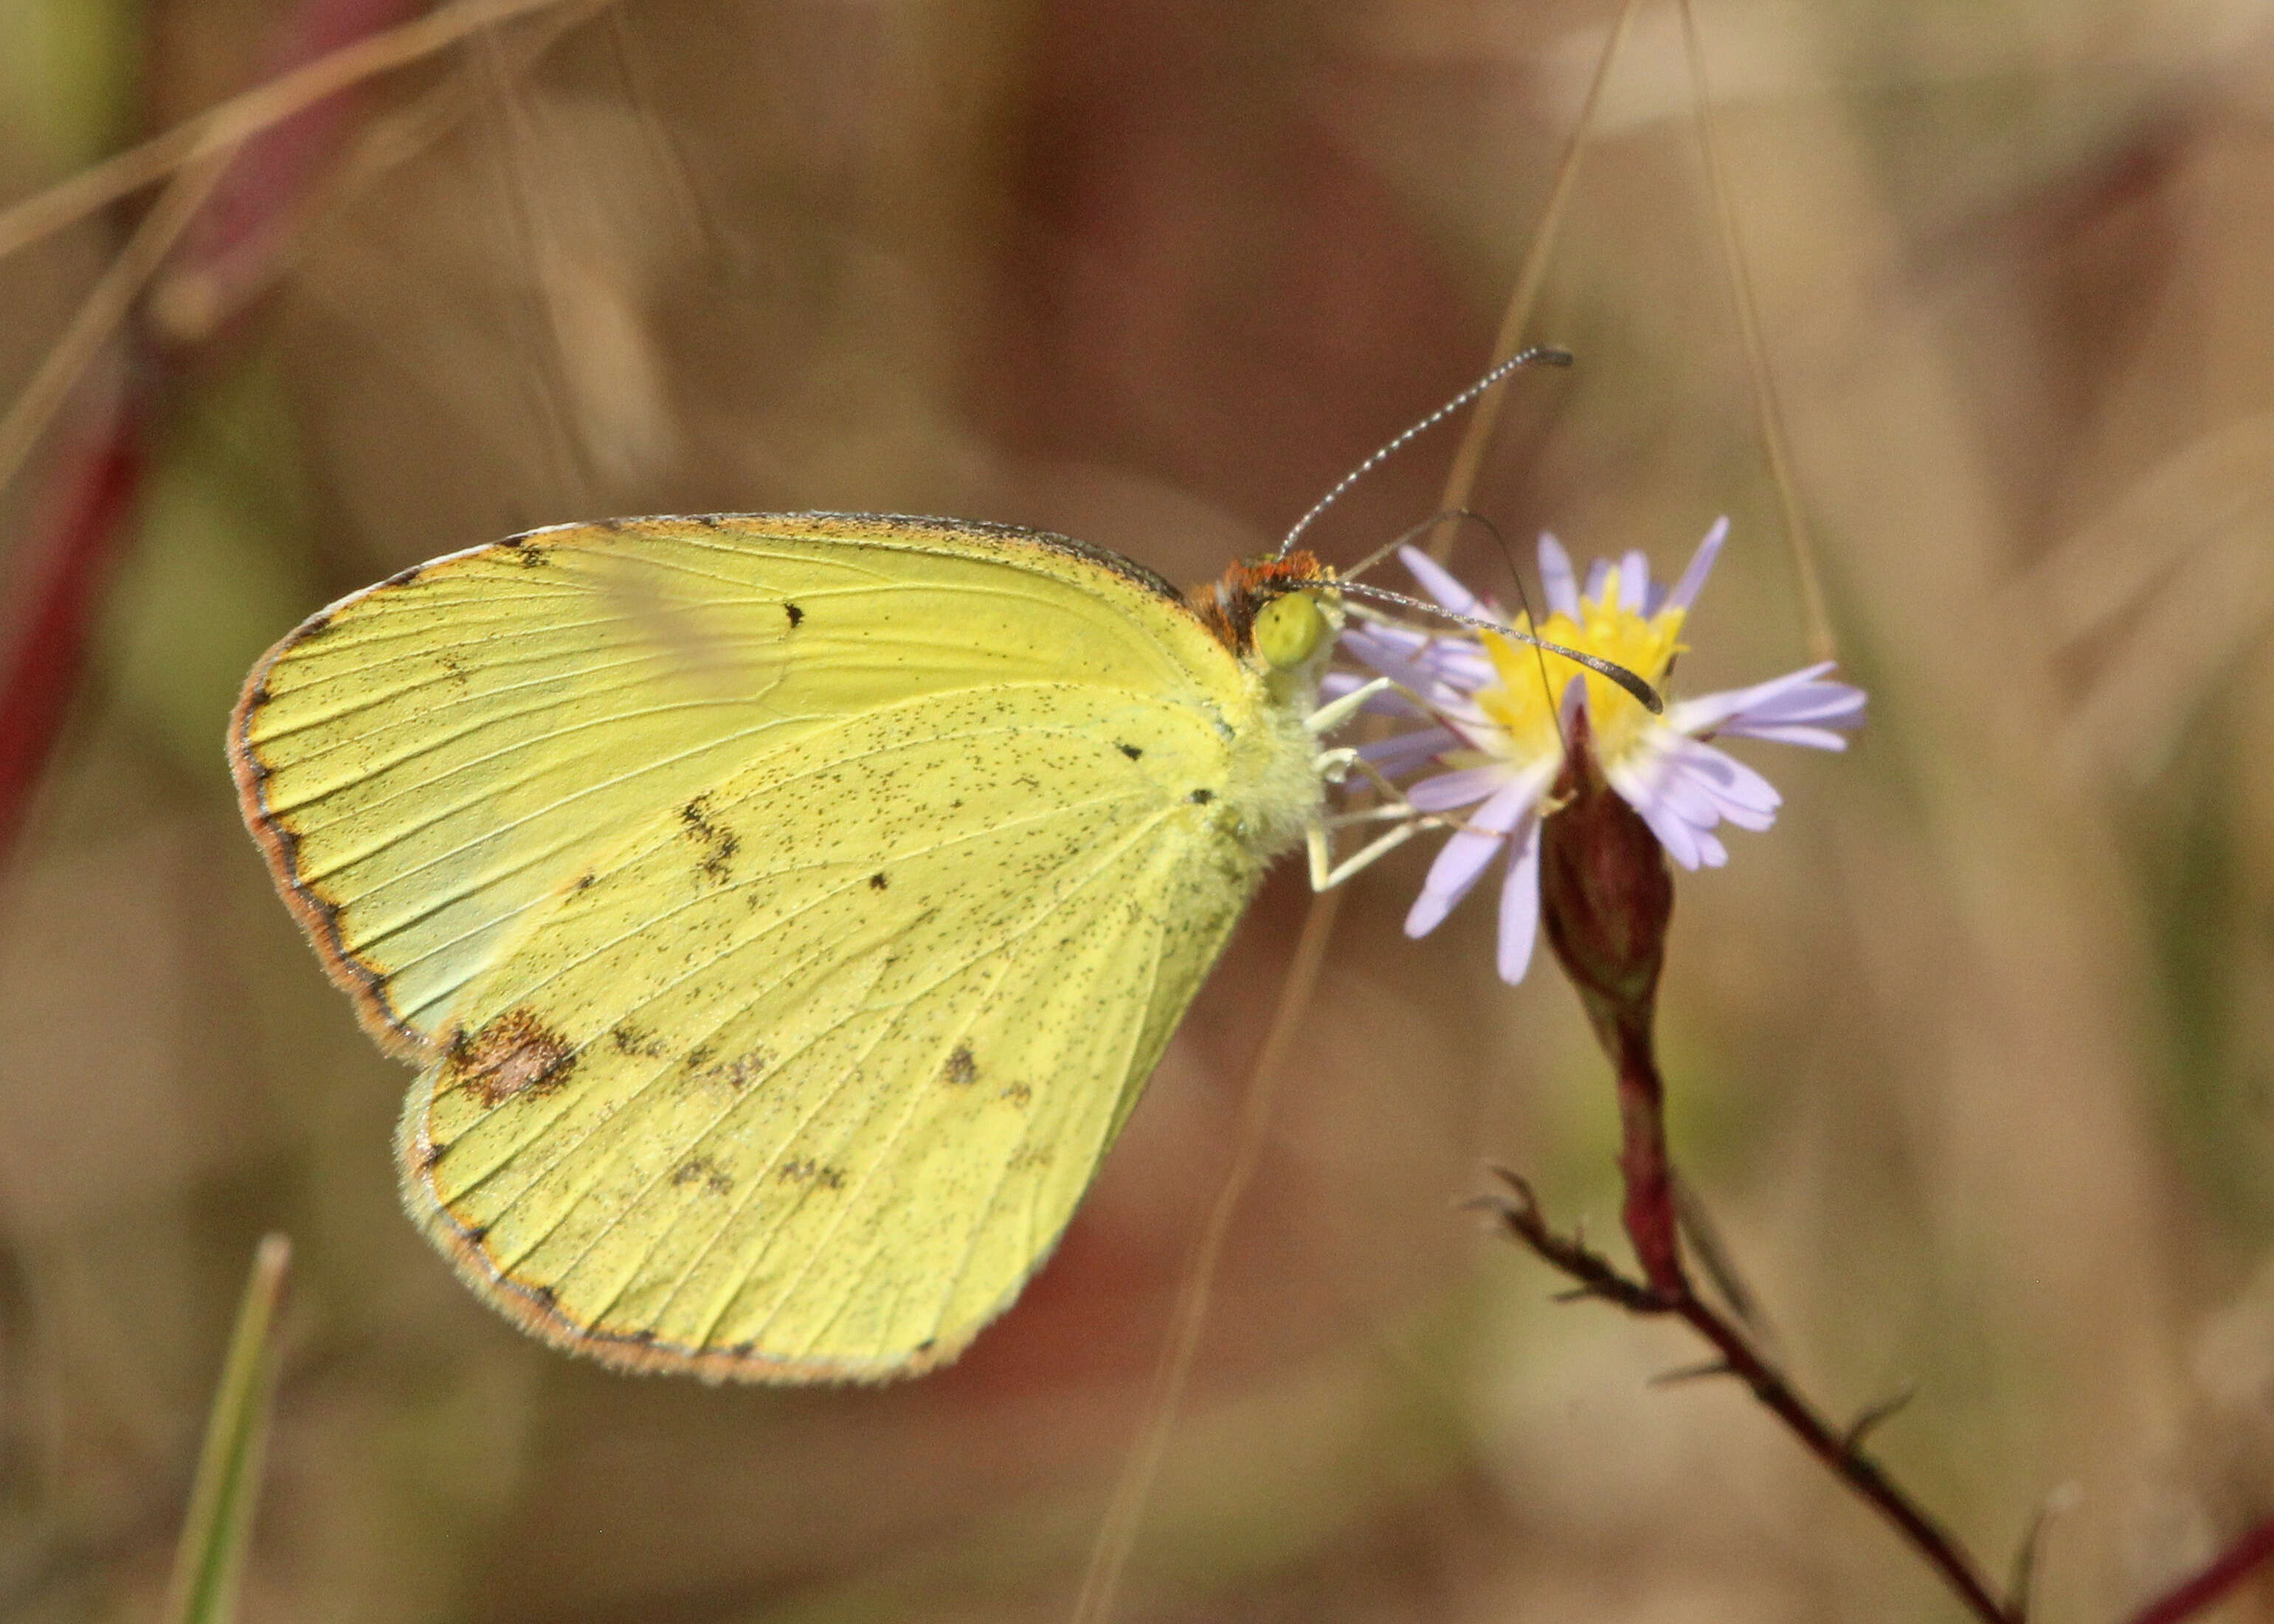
pixel 1605 900
pixel 1841 1452
pixel 1606 896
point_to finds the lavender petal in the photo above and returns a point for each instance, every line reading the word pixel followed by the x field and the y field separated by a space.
pixel 1673 833
pixel 1796 696
pixel 1462 859
pixel 1701 565
pixel 1407 753
pixel 1634 580
pixel 1733 787
pixel 1464 787
pixel 1811 738
pixel 1441 584
pixel 1519 904
pixel 1556 579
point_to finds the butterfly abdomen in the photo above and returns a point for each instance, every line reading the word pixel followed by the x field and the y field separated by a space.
pixel 1273 790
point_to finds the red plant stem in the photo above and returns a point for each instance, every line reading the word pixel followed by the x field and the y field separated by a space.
pixel 1643 1167
pixel 229 247
pixel 95 488
pixel 84 511
pixel 1859 1471
pixel 2237 1563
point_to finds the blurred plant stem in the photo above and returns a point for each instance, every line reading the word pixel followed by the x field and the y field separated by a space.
pixel 1469 457
pixel 297 86
pixel 95 486
pixel 1768 413
pixel 227 1490
pixel 2214 1583
pixel 1117 1536
pixel 242 177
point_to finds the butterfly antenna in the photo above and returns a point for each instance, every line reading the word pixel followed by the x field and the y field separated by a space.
pixel 1449 515
pixel 1648 696
pixel 1535 356
pixel 1516 576
pixel 1539 650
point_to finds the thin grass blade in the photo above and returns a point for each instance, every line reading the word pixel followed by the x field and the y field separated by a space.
pixel 227 1489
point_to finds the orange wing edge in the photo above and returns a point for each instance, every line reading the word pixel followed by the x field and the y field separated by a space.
pixel 318 915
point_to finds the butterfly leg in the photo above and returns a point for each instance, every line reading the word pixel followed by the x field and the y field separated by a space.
pixel 1333 766
pixel 1326 874
pixel 1334 713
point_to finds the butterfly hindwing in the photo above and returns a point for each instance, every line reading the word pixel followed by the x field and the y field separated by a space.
pixel 919 964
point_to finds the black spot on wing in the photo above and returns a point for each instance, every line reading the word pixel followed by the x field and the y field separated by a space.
pixel 719 843
pixel 707 1172
pixel 513 1054
pixel 739 1072
pixel 804 1169
pixel 794 613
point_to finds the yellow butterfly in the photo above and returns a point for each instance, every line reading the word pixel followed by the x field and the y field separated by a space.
pixel 784 910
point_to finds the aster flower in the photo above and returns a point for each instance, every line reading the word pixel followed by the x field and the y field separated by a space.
pixel 1494 714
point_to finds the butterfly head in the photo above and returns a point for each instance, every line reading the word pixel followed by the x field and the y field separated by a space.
pixel 1280 615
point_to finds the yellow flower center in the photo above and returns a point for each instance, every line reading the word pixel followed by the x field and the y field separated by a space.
pixel 1525 706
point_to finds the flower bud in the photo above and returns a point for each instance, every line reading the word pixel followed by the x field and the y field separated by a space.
pixel 1606 894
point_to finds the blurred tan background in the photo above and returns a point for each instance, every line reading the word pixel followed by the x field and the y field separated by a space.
pixel 1973 1055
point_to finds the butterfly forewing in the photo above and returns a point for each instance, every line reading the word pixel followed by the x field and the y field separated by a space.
pixel 425 761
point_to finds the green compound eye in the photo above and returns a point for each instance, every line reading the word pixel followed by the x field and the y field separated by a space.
pixel 1288 630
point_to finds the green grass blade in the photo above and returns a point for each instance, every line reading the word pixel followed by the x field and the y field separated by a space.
pixel 227 1491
